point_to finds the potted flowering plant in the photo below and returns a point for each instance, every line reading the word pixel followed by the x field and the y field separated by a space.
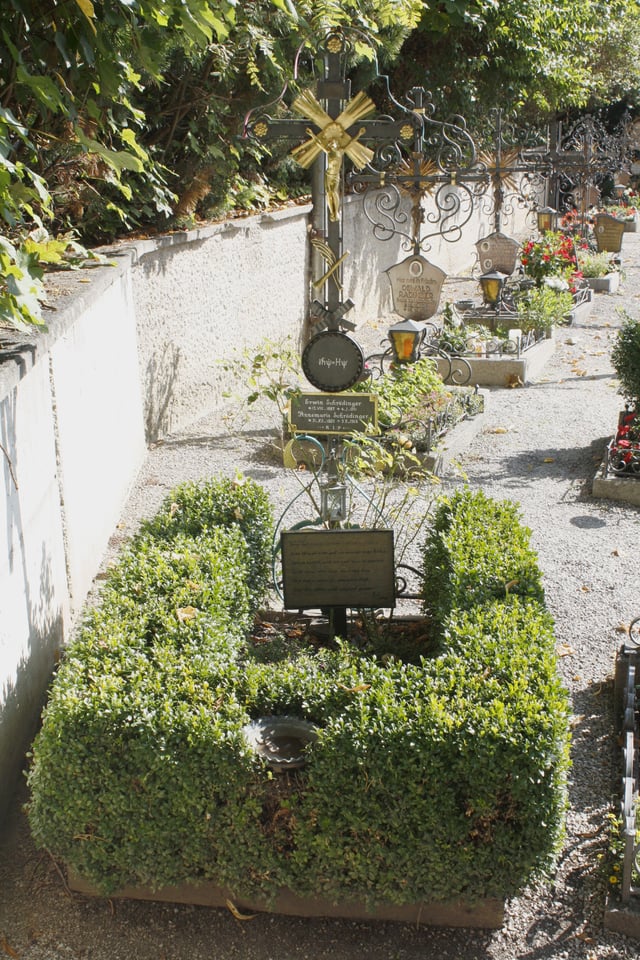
pixel 553 255
pixel 625 208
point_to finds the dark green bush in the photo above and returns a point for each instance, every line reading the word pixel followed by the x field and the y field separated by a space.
pixel 429 780
pixel 625 357
pixel 477 550
pixel 193 509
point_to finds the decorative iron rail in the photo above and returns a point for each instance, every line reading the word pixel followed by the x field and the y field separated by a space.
pixel 629 678
pixel 622 457
pixel 622 460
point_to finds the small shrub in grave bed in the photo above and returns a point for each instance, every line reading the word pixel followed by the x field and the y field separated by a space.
pixel 625 357
pixel 477 550
pixel 429 780
pixel 193 508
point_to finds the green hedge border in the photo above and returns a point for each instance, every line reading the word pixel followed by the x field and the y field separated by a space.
pixel 433 780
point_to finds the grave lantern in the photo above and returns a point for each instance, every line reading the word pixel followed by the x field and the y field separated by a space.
pixel 405 338
pixel 492 286
pixel 546 217
pixel 333 502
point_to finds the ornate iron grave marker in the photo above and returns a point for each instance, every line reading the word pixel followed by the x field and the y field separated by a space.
pixel 338 568
pixel 334 126
pixel 416 285
pixel 608 232
pixel 498 252
pixel 333 414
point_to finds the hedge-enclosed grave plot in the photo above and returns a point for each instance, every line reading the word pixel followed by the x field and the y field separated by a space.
pixel 439 767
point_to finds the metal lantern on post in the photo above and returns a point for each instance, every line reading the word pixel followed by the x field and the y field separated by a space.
pixel 405 338
pixel 546 217
pixel 492 286
pixel 333 503
pixel 333 493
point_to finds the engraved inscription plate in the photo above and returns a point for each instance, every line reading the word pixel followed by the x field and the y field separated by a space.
pixel 416 285
pixel 332 361
pixel 338 414
pixel 498 252
pixel 338 568
pixel 608 231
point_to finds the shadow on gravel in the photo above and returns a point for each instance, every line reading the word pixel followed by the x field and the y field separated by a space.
pixel 572 920
pixel 537 464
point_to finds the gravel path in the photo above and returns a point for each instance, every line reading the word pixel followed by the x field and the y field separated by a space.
pixel 539 446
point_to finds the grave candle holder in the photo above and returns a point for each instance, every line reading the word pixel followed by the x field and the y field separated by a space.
pixel 405 339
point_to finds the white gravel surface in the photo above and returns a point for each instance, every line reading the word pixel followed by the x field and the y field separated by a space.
pixel 539 446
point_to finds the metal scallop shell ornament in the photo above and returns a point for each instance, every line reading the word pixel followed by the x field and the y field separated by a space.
pixel 281 741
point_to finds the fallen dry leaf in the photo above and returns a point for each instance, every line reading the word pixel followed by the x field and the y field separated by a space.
pixel 360 687
pixel 500 430
pixel 549 460
pixel 239 916
pixel 564 650
pixel 10 952
pixel 616 553
pixel 622 628
pixel 585 588
pixel 186 613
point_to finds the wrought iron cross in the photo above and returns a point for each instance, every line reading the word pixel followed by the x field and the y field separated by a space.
pixel 332 126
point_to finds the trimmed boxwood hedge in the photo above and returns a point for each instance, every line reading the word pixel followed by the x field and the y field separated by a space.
pixel 428 781
pixel 477 550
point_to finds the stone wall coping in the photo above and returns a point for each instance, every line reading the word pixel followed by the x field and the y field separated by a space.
pixel 71 292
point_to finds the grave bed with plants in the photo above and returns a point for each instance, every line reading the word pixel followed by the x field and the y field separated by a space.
pixel 437 776
pixel 618 478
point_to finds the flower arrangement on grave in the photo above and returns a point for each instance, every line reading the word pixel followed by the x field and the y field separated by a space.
pixel 625 207
pixel 553 255
pixel 595 264
pixel 624 449
pixel 621 210
pixel 572 222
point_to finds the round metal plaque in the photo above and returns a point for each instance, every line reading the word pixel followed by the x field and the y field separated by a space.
pixel 332 361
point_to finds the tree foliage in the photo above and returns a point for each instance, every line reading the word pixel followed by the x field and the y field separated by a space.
pixel 120 115
pixel 540 57
pixel 117 114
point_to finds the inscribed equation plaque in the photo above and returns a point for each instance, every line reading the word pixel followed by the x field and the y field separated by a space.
pixel 332 361
pixel 337 568
pixel 329 413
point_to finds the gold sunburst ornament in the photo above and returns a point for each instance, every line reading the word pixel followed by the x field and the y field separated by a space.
pixel 500 171
pixel 333 140
pixel 417 177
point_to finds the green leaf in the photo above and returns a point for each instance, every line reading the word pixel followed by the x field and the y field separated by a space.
pixel 88 10
pixel 118 160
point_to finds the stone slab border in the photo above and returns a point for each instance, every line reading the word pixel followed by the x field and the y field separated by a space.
pixel 482 914
pixel 507 371
pixel 616 488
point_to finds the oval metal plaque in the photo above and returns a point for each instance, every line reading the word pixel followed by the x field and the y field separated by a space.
pixel 332 361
